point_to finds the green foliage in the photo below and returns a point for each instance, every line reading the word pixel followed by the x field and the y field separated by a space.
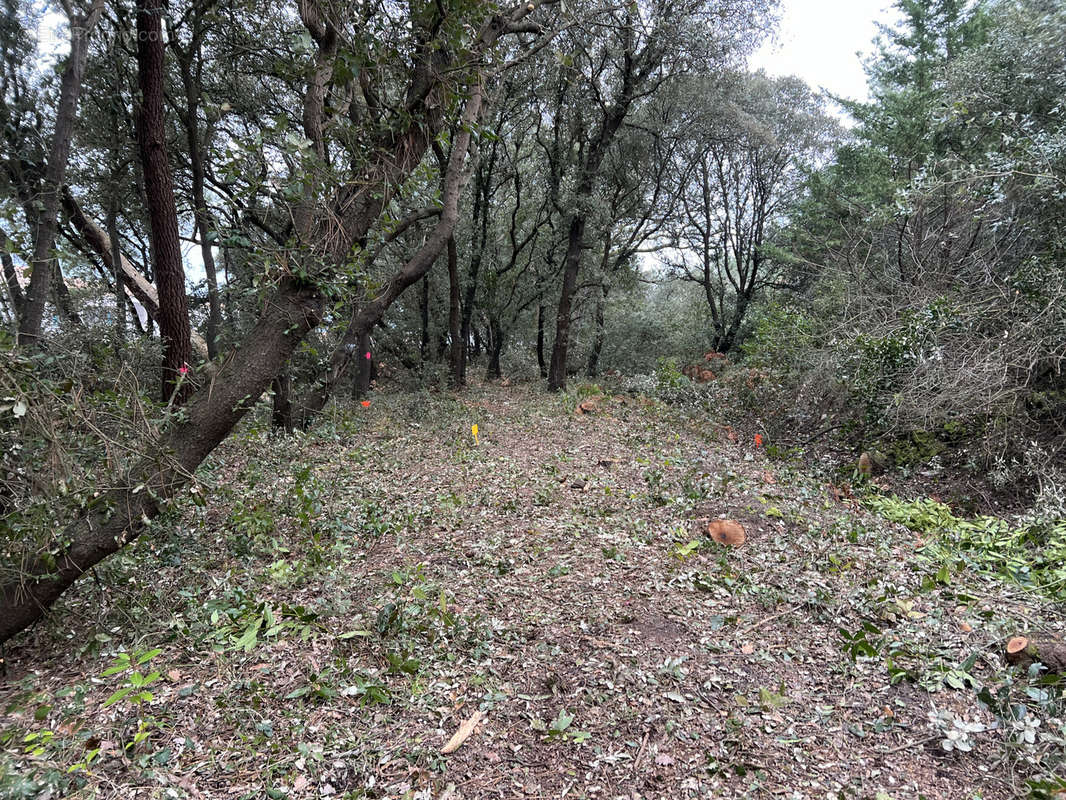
pixel 240 622
pixel 781 337
pixel 668 377
pixel 963 136
pixel 419 622
pixel 1032 555
pixel 136 691
pixel 70 418
pixel 876 367
pixel 560 728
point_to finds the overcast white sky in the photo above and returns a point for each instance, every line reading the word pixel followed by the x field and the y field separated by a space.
pixel 818 40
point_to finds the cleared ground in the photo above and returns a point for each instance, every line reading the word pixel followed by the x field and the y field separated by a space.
pixel 348 599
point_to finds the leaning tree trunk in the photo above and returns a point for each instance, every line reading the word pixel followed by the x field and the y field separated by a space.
pixel 119 516
pixel 162 211
pixel 54 173
pixel 288 315
pixel 368 315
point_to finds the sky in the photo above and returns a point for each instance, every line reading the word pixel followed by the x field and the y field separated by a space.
pixel 820 41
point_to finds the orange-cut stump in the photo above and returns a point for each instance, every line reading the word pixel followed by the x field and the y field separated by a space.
pixel 726 531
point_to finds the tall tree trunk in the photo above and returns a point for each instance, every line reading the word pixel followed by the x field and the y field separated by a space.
pixel 201 215
pixel 116 261
pixel 162 212
pixel 495 347
pixel 541 361
pixel 455 354
pixel 14 288
pixel 59 154
pixel 423 307
pixel 600 336
pixel 114 201
pixel 364 367
pixel 482 187
pixel 281 386
pixel 571 265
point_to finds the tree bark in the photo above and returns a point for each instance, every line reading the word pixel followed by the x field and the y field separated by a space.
pixel 14 288
pixel 281 415
pixel 601 333
pixel 70 84
pixel 423 307
pixel 116 268
pixel 201 215
pixel 162 211
pixel 482 187
pixel 120 515
pixel 571 265
pixel 541 361
pixel 495 348
pixel 64 302
pixel 455 354
pixel 364 367
pixel 106 248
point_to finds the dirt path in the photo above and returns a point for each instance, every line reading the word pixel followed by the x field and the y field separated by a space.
pixel 555 578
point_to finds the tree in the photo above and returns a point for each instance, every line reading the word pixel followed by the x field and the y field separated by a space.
pixel 936 268
pixel 749 146
pixel 441 65
pixel 162 210
pixel 629 54
pixel 39 190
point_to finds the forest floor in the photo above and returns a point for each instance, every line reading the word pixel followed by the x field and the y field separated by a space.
pixel 347 599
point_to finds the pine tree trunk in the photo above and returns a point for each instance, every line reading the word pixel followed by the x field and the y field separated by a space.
pixel 162 211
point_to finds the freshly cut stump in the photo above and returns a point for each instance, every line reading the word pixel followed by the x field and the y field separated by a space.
pixel 1023 651
pixel 727 532
pixel 589 406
